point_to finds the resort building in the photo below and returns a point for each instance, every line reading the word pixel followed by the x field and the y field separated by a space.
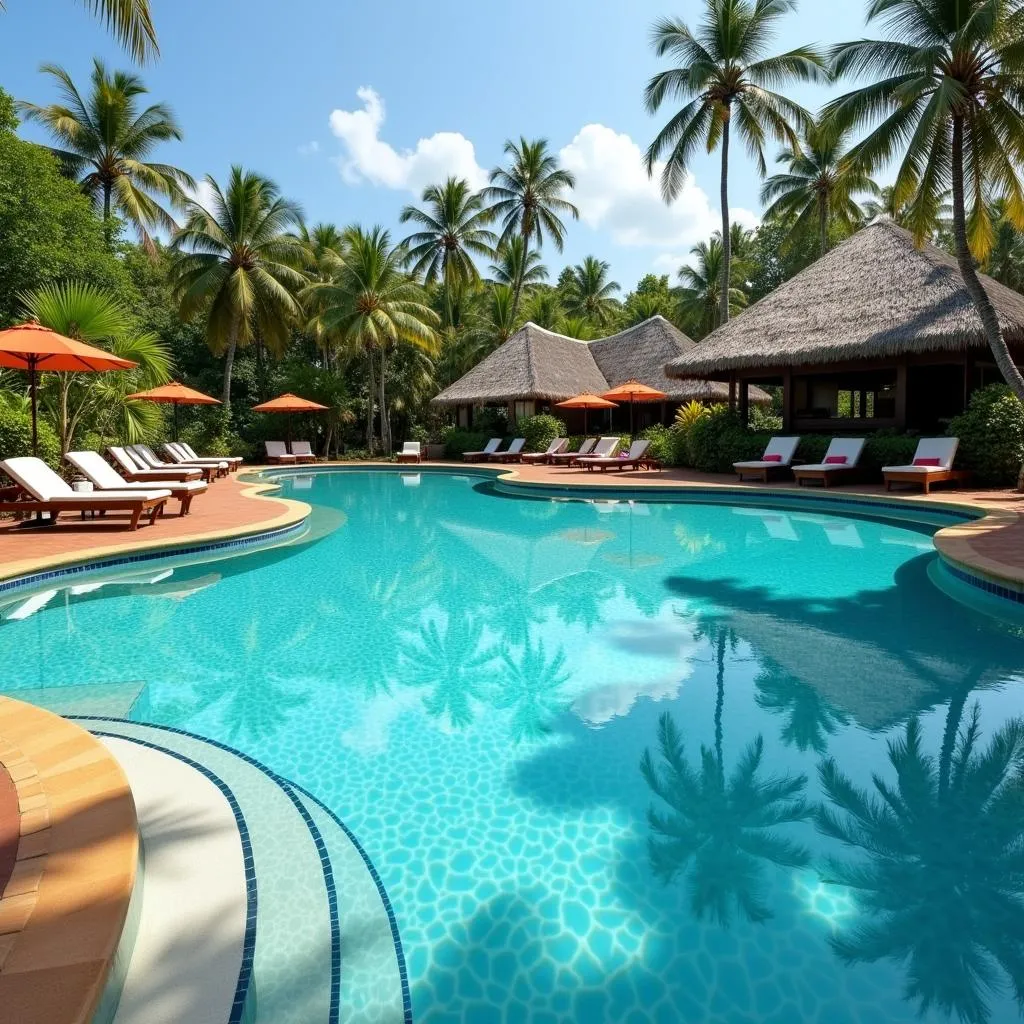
pixel 537 368
pixel 877 333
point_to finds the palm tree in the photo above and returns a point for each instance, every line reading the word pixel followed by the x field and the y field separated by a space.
pixel 950 100
pixel 453 231
pixel 532 686
pixel 719 826
pixel 321 258
pixel 1005 261
pixel 528 197
pixel 372 305
pixel 818 186
pixel 103 142
pixel 131 23
pixel 700 299
pixel 237 261
pixel 723 74
pixel 545 309
pixel 515 264
pixel 90 314
pixel 809 719
pixel 590 293
pixel 943 880
pixel 579 327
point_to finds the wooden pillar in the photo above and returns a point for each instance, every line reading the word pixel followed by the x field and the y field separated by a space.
pixel 745 402
pixel 732 392
pixel 901 396
pixel 968 376
pixel 787 400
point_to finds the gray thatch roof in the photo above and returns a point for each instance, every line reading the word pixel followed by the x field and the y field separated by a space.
pixel 539 364
pixel 874 296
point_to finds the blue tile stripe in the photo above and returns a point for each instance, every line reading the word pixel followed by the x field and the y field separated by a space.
pixel 286 784
pixel 332 898
pixel 148 556
pixel 981 583
pixel 249 940
pixel 381 891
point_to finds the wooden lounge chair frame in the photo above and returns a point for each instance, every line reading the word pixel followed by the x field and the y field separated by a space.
pixel 925 480
pixel 541 458
pixel 404 456
pixel 484 454
pixel 17 500
pixel 178 489
pixel 508 455
pixel 220 467
pixel 612 462
pixel 304 458
pixel 159 477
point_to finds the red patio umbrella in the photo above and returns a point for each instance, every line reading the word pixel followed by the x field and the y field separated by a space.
pixel 289 403
pixel 586 401
pixel 34 348
pixel 175 394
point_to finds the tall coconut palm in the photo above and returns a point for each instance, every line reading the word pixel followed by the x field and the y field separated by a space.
pixel 99 402
pixel 590 292
pixel 103 141
pixel 819 186
pixel 515 263
pixel 528 197
pixel 722 75
pixel 941 876
pixel 131 23
pixel 237 262
pixel 372 305
pixel 700 297
pixel 320 259
pixel 452 231
pixel 719 826
pixel 946 97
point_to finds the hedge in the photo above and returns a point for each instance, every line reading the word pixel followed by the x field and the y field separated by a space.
pixel 991 434
pixel 16 437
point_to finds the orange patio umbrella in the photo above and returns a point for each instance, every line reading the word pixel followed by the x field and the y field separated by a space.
pixel 35 348
pixel 586 401
pixel 633 391
pixel 175 394
pixel 289 403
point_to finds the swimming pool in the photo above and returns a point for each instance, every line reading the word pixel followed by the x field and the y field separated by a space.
pixel 612 760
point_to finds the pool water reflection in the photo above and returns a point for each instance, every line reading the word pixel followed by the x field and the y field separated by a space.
pixel 614 761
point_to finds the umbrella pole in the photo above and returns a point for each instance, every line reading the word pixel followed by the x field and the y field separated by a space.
pixel 288 431
pixel 32 393
pixel 584 422
pixel 175 404
pixel 631 418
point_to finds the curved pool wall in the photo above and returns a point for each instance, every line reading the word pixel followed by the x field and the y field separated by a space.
pixel 512 703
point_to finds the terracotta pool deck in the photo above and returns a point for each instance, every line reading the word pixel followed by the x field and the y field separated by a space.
pixel 232 507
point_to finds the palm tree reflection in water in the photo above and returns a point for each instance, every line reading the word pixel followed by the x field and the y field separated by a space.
pixel 943 878
pixel 719 827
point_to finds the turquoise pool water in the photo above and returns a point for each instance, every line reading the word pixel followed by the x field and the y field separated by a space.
pixel 614 762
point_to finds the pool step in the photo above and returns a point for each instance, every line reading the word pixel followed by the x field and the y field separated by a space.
pixel 324 946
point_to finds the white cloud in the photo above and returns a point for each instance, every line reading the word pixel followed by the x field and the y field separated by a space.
pixel 368 158
pixel 614 192
pixel 202 194
pixel 309 148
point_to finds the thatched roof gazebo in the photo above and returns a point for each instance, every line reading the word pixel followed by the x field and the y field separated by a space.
pixel 876 333
pixel 536 368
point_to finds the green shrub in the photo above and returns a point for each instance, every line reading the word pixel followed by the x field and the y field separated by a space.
pixel 539 431
pixel 763 419
pixel 16 437
pixel 662 444
pixel 419 433
pixel 887 448
pixel 991 434
pixel 456 441
pixel 811 450
pixel 715 441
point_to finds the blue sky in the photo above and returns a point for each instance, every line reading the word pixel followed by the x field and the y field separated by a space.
pixel 353 107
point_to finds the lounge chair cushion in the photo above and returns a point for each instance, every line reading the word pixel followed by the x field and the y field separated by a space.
pixel 835 460
pixel 772 458
pixel 942 449
pixel 927 462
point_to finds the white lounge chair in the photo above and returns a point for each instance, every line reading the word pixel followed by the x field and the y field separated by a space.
pixel 49 495
pixel 302 451
pixel 777 458
pixel 411 479
pixel 839 462
pixel 604 449
pixel 411 452
pixel 104 477
pixel 233 461
pixel 489 449
pixel 568 458
pixel 778 525
pixel 632 459
pixel 278 454
pixel 552 449
pixel 178 458
pixel 147 456
pixel 511 453
pixel 133 467
pixel 932 464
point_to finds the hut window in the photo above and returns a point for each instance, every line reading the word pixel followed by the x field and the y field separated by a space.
pixel 521 410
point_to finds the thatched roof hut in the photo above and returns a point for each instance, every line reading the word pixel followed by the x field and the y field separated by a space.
pixel 874 296
pixel 536 364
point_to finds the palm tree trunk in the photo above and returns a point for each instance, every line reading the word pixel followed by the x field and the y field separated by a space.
pixel 107 233
pixel 823 225
pixel 385 421
pixel 371 397
pixel 719 705
pixel 982 303
pixel 953 715
pixel 518 288
pixel 723 315
pixel 229 365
